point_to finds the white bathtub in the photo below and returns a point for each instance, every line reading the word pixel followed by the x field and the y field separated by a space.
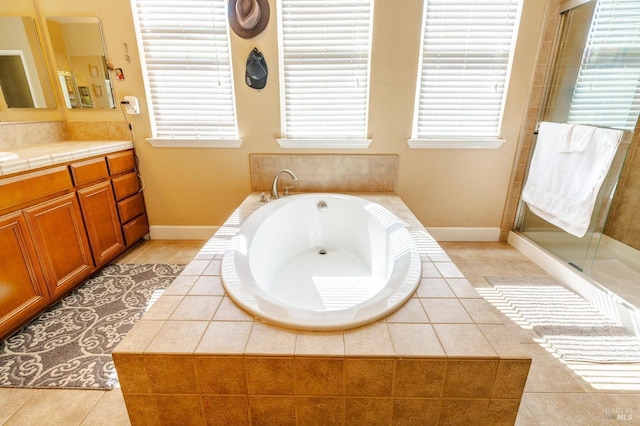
pixel 321 262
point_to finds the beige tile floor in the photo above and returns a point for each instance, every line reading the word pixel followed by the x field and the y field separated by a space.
pixel 554 394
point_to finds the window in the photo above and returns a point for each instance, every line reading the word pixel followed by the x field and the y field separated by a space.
pixel 325 50
pixel 187 65
pixel 467 47
pixel 607 91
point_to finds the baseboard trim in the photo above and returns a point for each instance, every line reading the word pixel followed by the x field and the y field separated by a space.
pixel 159 232
pixel 464 234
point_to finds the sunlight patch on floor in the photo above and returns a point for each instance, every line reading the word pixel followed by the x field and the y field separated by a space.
pixel 600 376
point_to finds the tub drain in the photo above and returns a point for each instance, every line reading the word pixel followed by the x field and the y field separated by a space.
pixel 322 252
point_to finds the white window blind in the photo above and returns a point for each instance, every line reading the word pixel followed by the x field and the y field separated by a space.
pixel 607 91
pixel 324 57
pixel 464 68
pixel 186 57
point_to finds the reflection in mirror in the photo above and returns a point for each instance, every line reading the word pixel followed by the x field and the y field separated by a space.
pixel 80 60
pixel 24 82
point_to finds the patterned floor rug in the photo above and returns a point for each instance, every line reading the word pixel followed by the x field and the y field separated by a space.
pixel 70 344
pixel 573 327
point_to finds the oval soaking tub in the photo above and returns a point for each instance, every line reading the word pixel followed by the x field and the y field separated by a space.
pixel 321 262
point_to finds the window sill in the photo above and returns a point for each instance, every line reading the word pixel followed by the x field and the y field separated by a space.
pixel 194 143
pixel 325 143
pixel 455 143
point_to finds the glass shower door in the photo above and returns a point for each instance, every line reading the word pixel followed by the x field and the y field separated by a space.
pixel 572 96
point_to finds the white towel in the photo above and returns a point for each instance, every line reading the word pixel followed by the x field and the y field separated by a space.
pixel 568 166
pixel 576 138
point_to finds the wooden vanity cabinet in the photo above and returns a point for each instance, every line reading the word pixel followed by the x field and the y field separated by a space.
pixel 24 292
pixel 59 225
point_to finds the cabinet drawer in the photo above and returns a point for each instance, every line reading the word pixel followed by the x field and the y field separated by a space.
pixel 121 162
pixel 33 186
pixel 135 229
pixel 124 186
pixel 130 207
pixel 89 171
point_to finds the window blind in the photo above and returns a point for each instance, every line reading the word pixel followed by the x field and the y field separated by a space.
pixel 324 60
pixel 464 68
pixel 187 62
pixel 607 90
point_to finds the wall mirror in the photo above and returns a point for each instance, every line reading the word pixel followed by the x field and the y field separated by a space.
pixel 80 61
pixel 24 81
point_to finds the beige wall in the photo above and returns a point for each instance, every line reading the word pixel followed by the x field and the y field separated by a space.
pixel 194 186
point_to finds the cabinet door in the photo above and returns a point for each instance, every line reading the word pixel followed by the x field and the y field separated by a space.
pixel 61 242
pixel 101 218
pixel 22 290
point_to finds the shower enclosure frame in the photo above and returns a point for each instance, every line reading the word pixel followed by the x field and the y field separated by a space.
pixel 603 299
pixel 564 249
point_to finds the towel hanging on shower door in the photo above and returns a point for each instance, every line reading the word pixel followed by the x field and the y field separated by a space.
pixel 568 166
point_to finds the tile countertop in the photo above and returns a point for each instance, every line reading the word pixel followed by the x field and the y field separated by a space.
pixel 36 156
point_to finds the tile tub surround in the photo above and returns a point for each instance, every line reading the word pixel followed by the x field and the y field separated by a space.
pixel 445 357
pixel 326 172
